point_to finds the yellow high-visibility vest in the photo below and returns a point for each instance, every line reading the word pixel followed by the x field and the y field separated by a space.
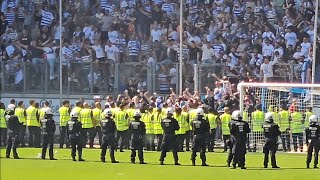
pixel 257 121
pixel 225 121
pixel 284 120
pixel 20 113
pixel 64 116
pixel 86 118
pixel 157 118
pixel 121 121
pixel 180 120
pixel 32 116
pixel 3 122
pixel 212 120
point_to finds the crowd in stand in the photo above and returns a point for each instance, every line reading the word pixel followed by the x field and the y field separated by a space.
pixel 254 40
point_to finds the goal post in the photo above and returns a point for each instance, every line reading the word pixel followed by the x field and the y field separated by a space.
pixel 297 99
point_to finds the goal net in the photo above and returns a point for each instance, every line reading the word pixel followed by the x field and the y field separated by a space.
pixel 291 105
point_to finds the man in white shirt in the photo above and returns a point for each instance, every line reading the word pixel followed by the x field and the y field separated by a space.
pixel 305 46
pixel 156 34
pixel 207 53
pixel 112 55
pixel 290 38
pixel 266 70
pixel 267 48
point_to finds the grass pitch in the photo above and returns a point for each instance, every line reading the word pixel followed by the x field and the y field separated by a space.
pixel 33 168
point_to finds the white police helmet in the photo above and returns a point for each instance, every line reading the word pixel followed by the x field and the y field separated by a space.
pixel 313 119
pixel 169 111
pixel 200 112
pixel 49 111
pixel 107 113
pixel 236 115
pixel 11 107
pixel 268 117
pixel 74 114
pixel 137 113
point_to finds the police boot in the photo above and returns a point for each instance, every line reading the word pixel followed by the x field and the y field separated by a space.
pixel 80 159
pixel 52 158
pixel 161 162
pixel 177 163
pixel 74 158
pixel 308 165
pixel 103 159
pixel 315 167
pixel 114 161
pixel 193 162
pixel 133 160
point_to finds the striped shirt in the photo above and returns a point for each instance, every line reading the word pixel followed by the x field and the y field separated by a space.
pixel 103 4
pixel 121 44
pixel 133 47
pixel 110 8
pixel 11 3
pixel 21 13
pixel 236 12
pixel 168 8
pixel 217 48
pixel 185 53
pixel 47 18
pixel 10 16
pixel 68 51
pixel 145 49
pixel 271 14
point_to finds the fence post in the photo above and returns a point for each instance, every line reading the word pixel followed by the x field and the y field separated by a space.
pixel 195 77
pixel 149 77
pixel 91 85
pixel 24 77
pixel 154 67
pixel 46 78
pixel 292 73
pixel 116 81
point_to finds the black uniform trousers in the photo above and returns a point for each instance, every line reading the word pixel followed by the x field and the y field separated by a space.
pixel 226 139
pixel 76 143
pixel 188 137
pixel 63 137
pixel 22 135
pixel 136 144
pixel 285 140
pixel 34 136
pixel 159 138
pixel 3 136
pixel 313 145
pixel 108 141
pixel 47 140
pixel 169 143
pixel 239 152
pixel 180 140
pixel 12 142
pixel 211 140
pixel 271 147
pixel 298 136
pixel 88 133
pixel 149 142
pixel 124 139
pixel 98 131
pixel 199 145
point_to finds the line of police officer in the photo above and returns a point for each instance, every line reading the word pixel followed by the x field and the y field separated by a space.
pixel 170 139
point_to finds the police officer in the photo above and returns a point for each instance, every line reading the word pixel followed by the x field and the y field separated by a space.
pixel 108 129
pixel 48 129
pixel 137 130
pixel 169 126
pixel 14 126
pixel 238 130
pixel 313 135
pixel 74 128
pixel 271 133
pixel 200 130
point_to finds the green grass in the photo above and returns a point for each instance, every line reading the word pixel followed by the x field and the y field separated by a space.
pixel 31 167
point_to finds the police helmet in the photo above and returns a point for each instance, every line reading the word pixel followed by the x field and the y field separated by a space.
pixel 268 117
pixel 107 113
pixel 74 114
pixel 313 119
pixel 137 113
pixel 200 112
pixel 169 111
pixel 49 111
pixel 236 115
pixel 11 107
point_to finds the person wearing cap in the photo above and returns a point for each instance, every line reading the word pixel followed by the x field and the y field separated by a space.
pixel 20 112
pixel 88 123
pixel 98 115
pixel 169 125
pixel 108 129
pixel 48 127
pixel 64 112
pixel 297 128
pixel 33 124
pixel 3 125
pixel 137 130
pixel 74 131
pixel 257 118
pixel 181 132
pixel 225 128
pixel 271 133
pixel 313 136
pixel 14 126
pixel 122 122
pixel 148 120
pixel 158 132
pixel 200 130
